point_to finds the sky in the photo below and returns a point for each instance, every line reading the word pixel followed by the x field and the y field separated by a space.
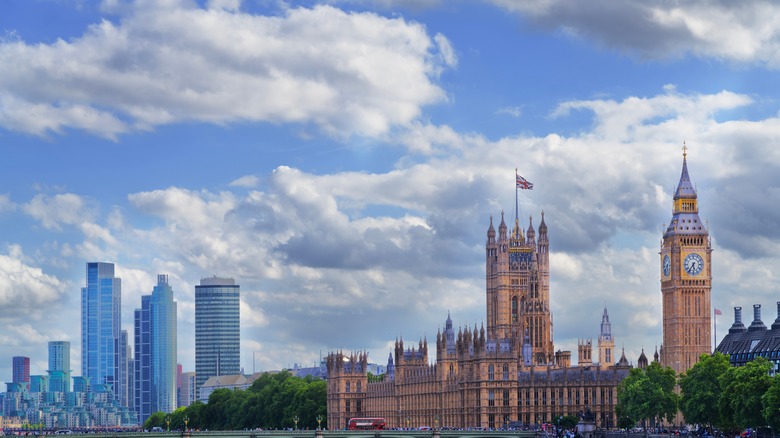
pixel 342 160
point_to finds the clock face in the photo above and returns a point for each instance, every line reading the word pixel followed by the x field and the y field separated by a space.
pixel 693 264
pixel 667 266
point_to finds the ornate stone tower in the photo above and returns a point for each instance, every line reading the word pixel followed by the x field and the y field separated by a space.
pixel 518 288
pixel 606 342
pixel 686 280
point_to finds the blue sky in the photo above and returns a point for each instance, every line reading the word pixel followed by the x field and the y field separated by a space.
pixel 342 159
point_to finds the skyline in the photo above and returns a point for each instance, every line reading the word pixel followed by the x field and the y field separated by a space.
pixel 342 159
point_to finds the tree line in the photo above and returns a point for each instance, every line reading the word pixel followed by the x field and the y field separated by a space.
pixel 273 401
pixel 713 394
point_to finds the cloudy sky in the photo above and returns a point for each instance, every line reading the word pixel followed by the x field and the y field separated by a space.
pixel 342 159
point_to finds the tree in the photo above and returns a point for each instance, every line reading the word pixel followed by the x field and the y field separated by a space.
pixel 771 403
pixel 157 419
pixel 648 395
pixel 701 389
pixel 740 403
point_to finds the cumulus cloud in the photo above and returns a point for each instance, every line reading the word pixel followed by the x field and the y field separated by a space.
pixel 168 62
pixel 63 209
pixel 25 288
pixel 743 32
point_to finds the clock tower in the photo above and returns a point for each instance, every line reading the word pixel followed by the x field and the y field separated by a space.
pixel 686 280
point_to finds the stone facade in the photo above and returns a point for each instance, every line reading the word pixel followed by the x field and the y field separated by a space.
pixel 686 281
pixel 506 374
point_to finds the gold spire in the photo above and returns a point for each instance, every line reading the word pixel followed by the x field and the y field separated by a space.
pixel 685 150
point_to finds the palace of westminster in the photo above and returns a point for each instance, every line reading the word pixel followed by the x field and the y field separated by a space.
pixel 507 372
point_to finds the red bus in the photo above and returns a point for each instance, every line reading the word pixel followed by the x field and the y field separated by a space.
pixel 366 424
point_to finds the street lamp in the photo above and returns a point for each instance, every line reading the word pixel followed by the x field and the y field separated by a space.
pixel 295 419
pixel 435 421
pixel 186 422
pixel 407 421
pixel 168 422
pixel 319 420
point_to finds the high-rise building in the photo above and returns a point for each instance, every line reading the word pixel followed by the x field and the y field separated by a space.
pixel 59 366
pixel 686 280
pixel 217 334
pixel 20 369
pixel 101 302
pixel 188 394
pixel 155 351
pixel 124 357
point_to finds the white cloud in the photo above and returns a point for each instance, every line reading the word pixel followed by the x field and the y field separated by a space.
pixel 24 288
pixel 742 32
pixel 63 209
pixel 245 181
pixel 346 73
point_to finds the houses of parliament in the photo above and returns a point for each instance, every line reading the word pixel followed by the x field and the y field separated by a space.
pixel 507 371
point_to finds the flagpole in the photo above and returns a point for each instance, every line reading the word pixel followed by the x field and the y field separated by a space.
pixel 516 208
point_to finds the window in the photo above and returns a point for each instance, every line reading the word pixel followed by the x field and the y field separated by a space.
pixel 491 372
pixel 347 405
pixel 514 309
pixel 359 386
pixel 506 372
pixel 347 390
pixel 491 398
pixel 506 397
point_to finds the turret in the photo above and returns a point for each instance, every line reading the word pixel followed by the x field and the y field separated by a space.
pixel 502 228
pixel 776 324
pixel 530 234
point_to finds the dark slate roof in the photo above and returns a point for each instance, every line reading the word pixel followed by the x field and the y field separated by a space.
pixel 685 186
pixel 745 344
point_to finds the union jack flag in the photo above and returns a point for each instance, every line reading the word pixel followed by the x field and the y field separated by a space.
pixel 718 312
pixel 524 184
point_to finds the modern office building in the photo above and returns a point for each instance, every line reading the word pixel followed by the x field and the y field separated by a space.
pixel 20 369
pixel 59 366
pixel 155 351
pixel 187 394
pixel 217 334
pixel 101 302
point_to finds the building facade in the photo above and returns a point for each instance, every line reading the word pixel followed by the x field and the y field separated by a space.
pixel 59 366
pixel 155 352
pixel 743 344
pixel 20 369
pixel 101 322
pixel 187 392
pixel 686 280
pixel 506 374
pixel 217 332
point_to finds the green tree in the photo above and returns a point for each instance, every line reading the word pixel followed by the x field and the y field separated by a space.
pixel 701 390
pixel 157 419
pixel 740 403
pixel 771 402
pixel 648 395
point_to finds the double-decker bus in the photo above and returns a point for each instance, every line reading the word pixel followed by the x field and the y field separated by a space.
pixel 366 424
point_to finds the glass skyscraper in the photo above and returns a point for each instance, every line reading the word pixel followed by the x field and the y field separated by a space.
pixel 155 351
pixel 101 314
pixel 59 366
pixel 217 334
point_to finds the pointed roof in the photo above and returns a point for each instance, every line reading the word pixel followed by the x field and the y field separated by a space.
pixel 685 186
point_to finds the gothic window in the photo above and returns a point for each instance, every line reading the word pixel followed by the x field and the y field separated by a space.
pixel 506 372
pixel 514 309
pixel 491 398
pixel 491 372
pixel 359 387
pixel 506 397
pixel 348 406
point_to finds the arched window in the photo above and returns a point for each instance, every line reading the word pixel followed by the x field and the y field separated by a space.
pixel 491 372
pixel 359 386
pixel 506 372
pixel 347 386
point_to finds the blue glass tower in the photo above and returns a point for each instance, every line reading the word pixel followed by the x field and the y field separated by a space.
pixel 217 334
pixel 100 327
pixel 155 351
pixel 59 366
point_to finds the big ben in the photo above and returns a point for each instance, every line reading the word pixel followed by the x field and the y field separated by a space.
pixel 686 280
